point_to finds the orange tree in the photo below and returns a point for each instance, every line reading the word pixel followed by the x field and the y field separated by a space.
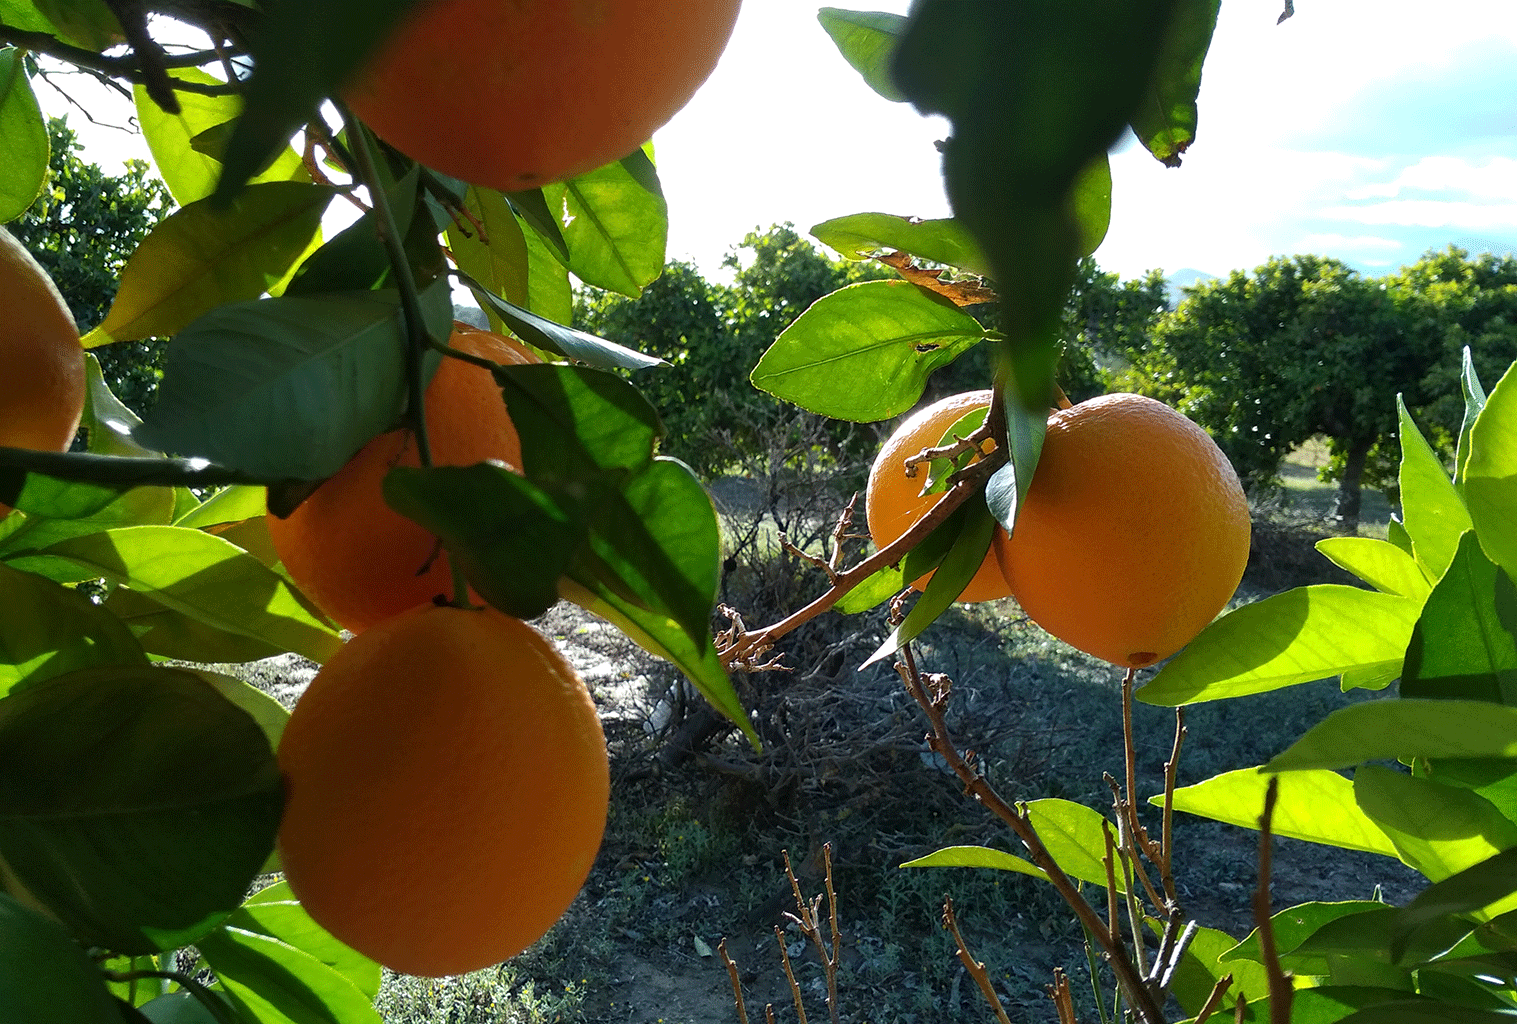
pixel 138 802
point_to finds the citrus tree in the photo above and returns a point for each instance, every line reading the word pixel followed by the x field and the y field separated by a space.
pixel 139 801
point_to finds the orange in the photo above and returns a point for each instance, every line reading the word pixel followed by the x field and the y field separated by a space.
pixel 1133 534
pixel 446 787
pixel 42 380
pixel 893 501
pixel 513 94
pixel 355 557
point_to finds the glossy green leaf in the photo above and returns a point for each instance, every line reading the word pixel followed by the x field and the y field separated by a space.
pixel 1295 925
pixel 201 257
pixel 1090 205
pixel 189 171
pixel 1474 404
pixel 569 342
pixel 107 423
pixel 47 630
pixel 888 581
pixel 1295 637
pixel 1317 806
pixel 1490 476
pixel 170 633
pixel 300 55
pixel 977 857
pixel 1476 887
pixel 92 831
pixel 274 911
pixel 272 981
pixel 1075 837
pixel 45 976
pixel 1166 116
pixel 863 235
pixel 867 40
pixel 57 509
pixel 1201 968
pixel 1387 730
pixel 288 388
pixel 883 337
pixel 1434 513
pixel 1464 646
pixel 549 293
pixel 229 505
pixel 493 249
pixel 1379 563
pixel 23 138
pixel 206 579
pixel 1439 830
pixel 615 222
pixel 1004 491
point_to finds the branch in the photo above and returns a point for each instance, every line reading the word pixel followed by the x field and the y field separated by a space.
pixel 125 68
pixel 977 970
pixel 1280 991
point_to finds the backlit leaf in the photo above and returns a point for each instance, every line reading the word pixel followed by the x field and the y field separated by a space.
pixel 615 222
pixel 1431 507
pixel 47 630
pixel 1474 403
pixel 1401 730
pixel 1379 563
pixel 1490 481
pixel 1465 643
pixel 493 250
pixel 274 911
pixel 977 857
pixel 271 980
pixel 1166 116
pixel 1439 830
pixel 1075 837
pixel 861 235
pixel 867 39
pixel 23 138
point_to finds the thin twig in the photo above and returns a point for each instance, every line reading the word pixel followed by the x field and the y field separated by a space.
pixel 1166 836
pixel 975 968
pixel 127 69
pixel 795 988
pixel 1215 999
pixel 737 985
pixel 1062 1000
pixel 1280 990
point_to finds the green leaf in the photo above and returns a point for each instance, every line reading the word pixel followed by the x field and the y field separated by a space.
pixel 1090 205
pixel 274 911
pixel 1434 513
pixel 229 505
pixel 549 293
pixel 1386 730
pixel 300 55
pixel 1004 491
pixel 569 342
pixel 1493 778
pixel 1465 644
pixel 201 257
pixel 45 977
pixel 87 23
pixel 206 579
pixel 615 222
pixel 1295 637
pixel 1490 476
pixel 1474 403
pixel 1317 806
pixel 107 423
pixel 883 337
pixel 1295 925
pixel 867 40
pixel 47 630
pixel 1201 968
pixel 888 581
pixel 92 831
pixel 169 633
pixel 575 423
pixel 1166 116
pixel 186 1008
pixel 1075 837
pixel 1379 563
pixel 23 138
pixel 1439 830
pixel 274 982
pixel 531 208
pixel 862 235
pixel 1476 887
pixel 267 713
pixel 187 169
pixel 288 388
pixel 493 249
pixel 509 537
pixel 977 857
pixel 57 509
pixel 1426 1011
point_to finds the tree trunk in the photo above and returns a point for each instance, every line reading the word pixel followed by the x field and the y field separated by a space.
pixel 1346 511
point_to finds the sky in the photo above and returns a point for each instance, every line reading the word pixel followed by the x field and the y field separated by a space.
pixel 1367 130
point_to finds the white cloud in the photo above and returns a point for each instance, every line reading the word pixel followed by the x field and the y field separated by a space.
pixel 1330 242
pixel 1429 213
pixel 1494 178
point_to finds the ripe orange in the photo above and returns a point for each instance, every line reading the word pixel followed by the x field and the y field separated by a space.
pixel 42 381
pixel 353 555
pixel 1134 533
pixel 513 94
pixel 446 790
pixel 893 502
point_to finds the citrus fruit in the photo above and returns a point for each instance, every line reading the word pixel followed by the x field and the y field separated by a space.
pixel 446 786
pixel 355 557
pixel 1133 534
pixel 893 502
pixel 42 385
pixel 513 95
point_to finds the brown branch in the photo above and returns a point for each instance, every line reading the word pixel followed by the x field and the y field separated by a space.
pixel 127 69
pixel 737 985
pixel 1062 1000
pixel 975 968
pixel 132 18
pixel 807 921
pixel 1280 990
pixel 1215 999
pixel 795 988
pixel 1166 836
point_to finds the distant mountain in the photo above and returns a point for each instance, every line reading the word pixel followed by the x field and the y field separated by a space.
pixel 1176 283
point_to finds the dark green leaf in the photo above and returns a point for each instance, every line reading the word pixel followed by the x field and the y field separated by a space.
pixel 1439 830
pixel 1165 119
pixel 510 539
pixel 867 40
pixel 288 388
pixel 271 980
pixel 300 55
pixel 47 630
pixel 532 207
pixel 1025 430
pixel 1472 889
pixel 576 422
pixel 569 342
pixel 186 1008
pixel 1426 1011
pixel 1384 730
pixel 86 23
pixel 93 832
pixel 45 977
pixel 1464 646
pixel 940 241
pixel 23 138
pixel 201 257
pixel 885 583
pixel 883 337
pixel 1493 778
pixel 615 222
